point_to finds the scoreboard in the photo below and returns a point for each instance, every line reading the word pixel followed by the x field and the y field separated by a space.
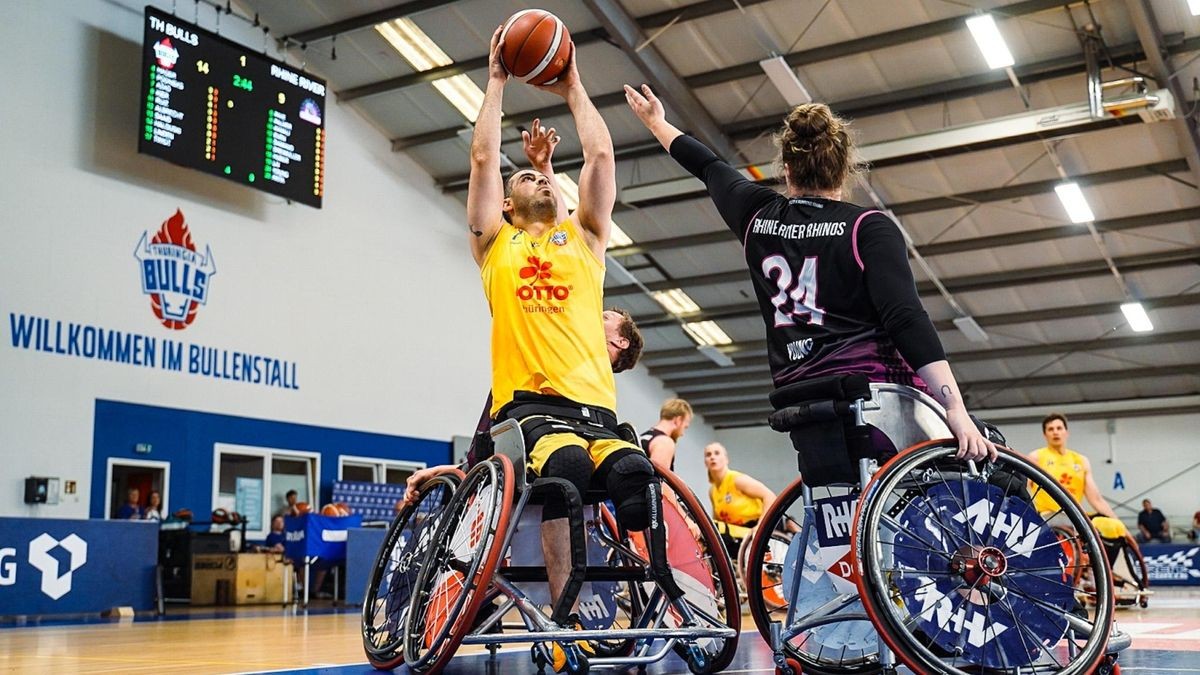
pixel 211 104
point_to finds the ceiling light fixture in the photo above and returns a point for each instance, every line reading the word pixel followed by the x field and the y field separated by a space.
pixel 1074 202
pixel 1136 315
pixel 424 54
pixel 707 333
pixel 675 301
pixel 987 35
pixel 780 73
pixel 570 195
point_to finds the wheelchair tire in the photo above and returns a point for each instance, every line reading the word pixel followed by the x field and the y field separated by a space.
pixel 717 561
pixel 975 548
pixel 458 568
pixel 391 581
pixel 765 593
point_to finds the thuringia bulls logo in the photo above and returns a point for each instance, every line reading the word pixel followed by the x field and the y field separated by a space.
pixel 174 275
pixel 539 270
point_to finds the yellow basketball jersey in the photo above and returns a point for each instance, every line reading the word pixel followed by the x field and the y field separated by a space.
pixel 1067 469
pixel 731 505
pixel 546 297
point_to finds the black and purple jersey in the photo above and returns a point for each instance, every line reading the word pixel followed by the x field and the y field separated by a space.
pixel 832 279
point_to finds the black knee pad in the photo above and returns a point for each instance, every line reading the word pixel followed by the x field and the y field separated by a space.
pixel 573 464
pixel 629 474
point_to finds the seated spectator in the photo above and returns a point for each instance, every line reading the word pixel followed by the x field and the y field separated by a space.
pixel 153 507
pixel 274 540
pixel 1195 534
pixel 1152 524
pixel 132 508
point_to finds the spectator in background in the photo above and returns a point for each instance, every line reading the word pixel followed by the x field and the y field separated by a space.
pixel 153 506
pixel 1152 524
pixel 659 440
pixel 1195 533
pixel 274 540
pixel 132 508
pixel 290 508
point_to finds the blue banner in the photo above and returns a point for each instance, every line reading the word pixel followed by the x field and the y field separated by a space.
pixel 316 536
pixel 52 566
pixel 1172 564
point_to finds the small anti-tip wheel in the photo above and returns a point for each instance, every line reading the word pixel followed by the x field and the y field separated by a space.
pixel 580 665
pixel 539 660
pixel 792 668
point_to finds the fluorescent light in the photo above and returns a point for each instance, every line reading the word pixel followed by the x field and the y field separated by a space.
pixel 1194 5
pixel 780 73
pixel 1074 202
pixel 991 42
pixel 969 327
pixel 1136 315
pixel 617 237
pixel 707 333
pixel 676 301
pixel 570 195
pixel 424 54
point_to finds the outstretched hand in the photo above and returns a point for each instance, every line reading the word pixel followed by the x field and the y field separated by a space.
pixel 645 105
pixel 496 69
pixel 539 143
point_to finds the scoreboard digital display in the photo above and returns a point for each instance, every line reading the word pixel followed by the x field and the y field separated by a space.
pixel 211 104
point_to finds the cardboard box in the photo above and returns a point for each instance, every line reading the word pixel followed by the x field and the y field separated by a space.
pixel 240 578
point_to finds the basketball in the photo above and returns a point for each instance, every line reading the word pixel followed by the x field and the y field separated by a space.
pixel 335 510
pixel 536 46
pixel 302 508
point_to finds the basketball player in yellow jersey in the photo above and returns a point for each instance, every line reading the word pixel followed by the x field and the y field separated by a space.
pixel 1071 469
pixel 738 501
pixel 543 275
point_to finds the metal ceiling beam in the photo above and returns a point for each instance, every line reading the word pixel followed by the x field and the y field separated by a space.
pixel 989 242
pixel 1159 59
pixel 365 20
pixel 681 375
pixel 952 201
pixel 892 101
pixel 649 22
pixel 837 50
pixel 669 86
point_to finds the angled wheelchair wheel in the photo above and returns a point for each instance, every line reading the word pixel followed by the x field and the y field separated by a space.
pixel 395 571
pixel 959 572
pixel 841 642
pixel 703 570
pixel 458 567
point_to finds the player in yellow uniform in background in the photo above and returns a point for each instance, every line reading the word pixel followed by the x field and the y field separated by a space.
pixel 1073 471
pixel 738 501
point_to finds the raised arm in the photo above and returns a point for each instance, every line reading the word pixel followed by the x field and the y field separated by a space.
pixel 485 190
pixel 539 143
pixel 737 199
pixel 598 177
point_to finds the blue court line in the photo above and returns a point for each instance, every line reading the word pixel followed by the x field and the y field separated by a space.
pixel 149 617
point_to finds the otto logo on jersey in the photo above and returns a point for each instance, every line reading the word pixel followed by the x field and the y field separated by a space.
pixel 174 275
pixel 537 271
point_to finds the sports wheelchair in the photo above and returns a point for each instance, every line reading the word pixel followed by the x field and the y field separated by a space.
pixel 1130 577
pixel 471 572
pixel 908 555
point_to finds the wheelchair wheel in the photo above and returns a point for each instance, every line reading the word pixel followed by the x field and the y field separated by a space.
pixel 454 578
pixel 395 570
pixel 844 644
pixel 959 572
pixel 708 558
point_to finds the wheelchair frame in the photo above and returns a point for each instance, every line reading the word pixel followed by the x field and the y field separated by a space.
pixel 649 626
pixel 916 419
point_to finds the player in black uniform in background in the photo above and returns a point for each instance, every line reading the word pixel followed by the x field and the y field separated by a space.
pixel 832 278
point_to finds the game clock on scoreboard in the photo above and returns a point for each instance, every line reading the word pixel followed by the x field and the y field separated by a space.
pixel 214 105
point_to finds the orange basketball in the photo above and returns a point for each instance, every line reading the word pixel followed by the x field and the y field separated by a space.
pixel 335 510
pixel 536 46
pixel 302 508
